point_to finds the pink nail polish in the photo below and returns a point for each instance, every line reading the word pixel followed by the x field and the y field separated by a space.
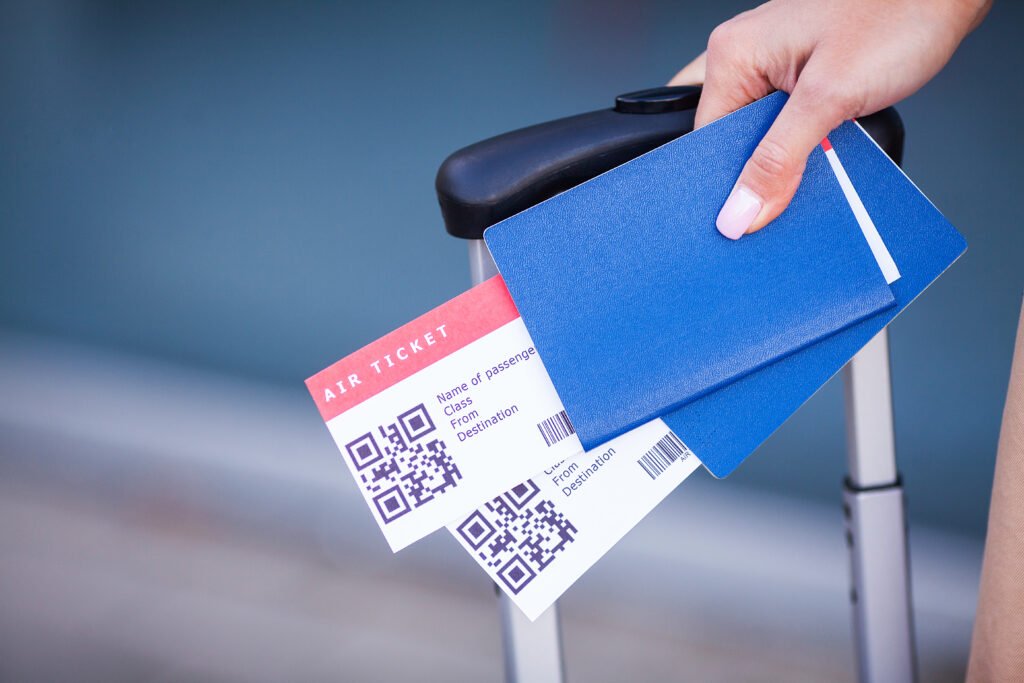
pixel 740 210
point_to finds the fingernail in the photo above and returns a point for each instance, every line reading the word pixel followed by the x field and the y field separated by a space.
pixel 740 210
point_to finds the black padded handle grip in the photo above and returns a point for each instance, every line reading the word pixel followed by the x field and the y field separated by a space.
pixel 491 180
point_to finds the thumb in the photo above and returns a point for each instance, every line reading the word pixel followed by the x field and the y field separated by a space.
pixel 692 73
pixel 772 175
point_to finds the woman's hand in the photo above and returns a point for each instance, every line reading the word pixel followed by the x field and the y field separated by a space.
pixel 838 59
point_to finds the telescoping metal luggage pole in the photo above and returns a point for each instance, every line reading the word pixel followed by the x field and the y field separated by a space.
pixel 876 530
pixel 491 180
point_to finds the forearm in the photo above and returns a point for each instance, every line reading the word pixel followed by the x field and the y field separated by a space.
pixel 997 647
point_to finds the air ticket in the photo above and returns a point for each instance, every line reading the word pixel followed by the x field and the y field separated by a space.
pixel 447 411
pixel 536 539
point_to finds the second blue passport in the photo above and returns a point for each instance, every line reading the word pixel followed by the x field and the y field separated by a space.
pixel 637 305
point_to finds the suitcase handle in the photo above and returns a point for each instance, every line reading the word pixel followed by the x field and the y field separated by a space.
pixel 488 181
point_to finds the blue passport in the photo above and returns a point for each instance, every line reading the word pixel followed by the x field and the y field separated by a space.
pixel 725 427
pixel 640 309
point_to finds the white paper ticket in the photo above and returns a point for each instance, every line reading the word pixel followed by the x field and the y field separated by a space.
pixel 445 412
pixel 536 539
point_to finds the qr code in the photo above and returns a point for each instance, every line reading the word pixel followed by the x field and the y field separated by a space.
pixel 518 534
pixel 405 465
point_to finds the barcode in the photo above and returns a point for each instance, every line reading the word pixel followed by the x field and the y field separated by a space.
pixel 404 465
pixel 556 428
pixel 518 534
pixel 665 452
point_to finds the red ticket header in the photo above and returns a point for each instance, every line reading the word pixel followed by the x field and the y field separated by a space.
pixel 412 347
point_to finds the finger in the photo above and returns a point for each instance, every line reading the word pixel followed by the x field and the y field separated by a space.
pixel 731 79
pixel 692 73
pixel 772 174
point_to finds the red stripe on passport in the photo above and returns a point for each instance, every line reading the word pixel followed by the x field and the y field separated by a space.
pixel 412 347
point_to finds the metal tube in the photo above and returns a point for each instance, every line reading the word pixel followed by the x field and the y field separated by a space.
pixel 870 437
pixel 533 650
pixel 481 265
pixel 876 523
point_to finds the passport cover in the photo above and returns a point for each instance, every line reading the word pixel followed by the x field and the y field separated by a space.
pixel 725 427
pixel 637 305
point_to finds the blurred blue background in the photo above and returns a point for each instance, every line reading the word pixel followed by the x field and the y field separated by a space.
pixel 244 191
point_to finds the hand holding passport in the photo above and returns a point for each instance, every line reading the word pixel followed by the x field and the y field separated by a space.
pixel 657 342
